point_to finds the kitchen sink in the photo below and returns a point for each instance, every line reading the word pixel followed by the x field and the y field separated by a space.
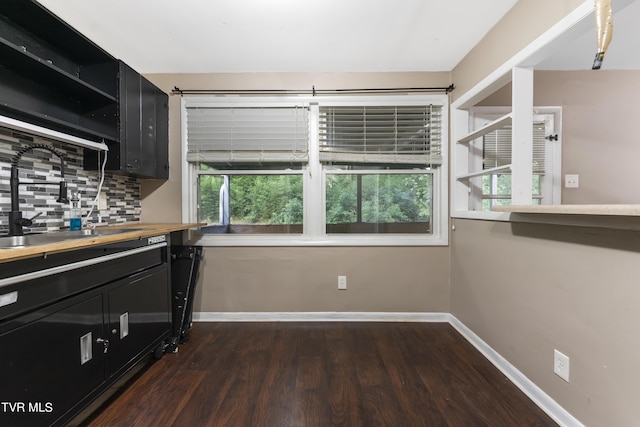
pixel 8 242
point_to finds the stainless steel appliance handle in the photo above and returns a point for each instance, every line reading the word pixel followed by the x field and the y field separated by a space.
pixel 76 265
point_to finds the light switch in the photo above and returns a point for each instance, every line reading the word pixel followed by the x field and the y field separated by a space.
pixel 571 181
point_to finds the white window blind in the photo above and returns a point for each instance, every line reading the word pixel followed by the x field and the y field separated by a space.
pixel 381 134
pixel 248 135
pixel 497 148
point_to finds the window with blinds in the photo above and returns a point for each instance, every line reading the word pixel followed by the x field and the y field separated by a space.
pixel 497 148
pixel 344 170
pixel 496 187
pixel 410 135
pixel 247 135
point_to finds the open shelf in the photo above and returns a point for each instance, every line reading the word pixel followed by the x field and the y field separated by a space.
pixel 489 127
pixel 53 76
pixel 608 210
pixel 33 23
pixel 98 124
pixel 33 68
pixel 484 172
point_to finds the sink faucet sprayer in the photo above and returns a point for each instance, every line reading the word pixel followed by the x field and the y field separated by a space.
pixel 16 222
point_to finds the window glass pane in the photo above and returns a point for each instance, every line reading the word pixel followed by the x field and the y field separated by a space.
pixel 251 204
pixel 496 190
pixel 378 203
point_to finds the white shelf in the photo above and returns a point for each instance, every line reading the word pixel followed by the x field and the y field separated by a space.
pixel 39 131
pixel 484 172
pixel 604 210
pixel 617 217
pixel 489 127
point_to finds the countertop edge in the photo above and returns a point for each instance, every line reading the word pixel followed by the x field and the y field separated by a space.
pixel 139 231
pixel 599 210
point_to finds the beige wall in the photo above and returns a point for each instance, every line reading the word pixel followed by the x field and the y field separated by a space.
pixel 600 132
pixel 302 279
pixel 529 289
pixel 598 119
pixel 305 280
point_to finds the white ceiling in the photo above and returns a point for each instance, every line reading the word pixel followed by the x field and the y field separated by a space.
pixel 576 49
pixel 193 36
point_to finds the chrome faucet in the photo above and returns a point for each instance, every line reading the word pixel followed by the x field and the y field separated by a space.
pixel 16 221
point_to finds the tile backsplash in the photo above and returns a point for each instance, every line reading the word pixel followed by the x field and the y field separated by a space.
pixel 39 174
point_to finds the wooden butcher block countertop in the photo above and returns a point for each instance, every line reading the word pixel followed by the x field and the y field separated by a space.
pixel 130 231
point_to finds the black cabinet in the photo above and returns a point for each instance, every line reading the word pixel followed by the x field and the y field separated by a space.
pixel 144 126
pixel 53 362
pixel 143 148
pixel 138 316
pixel 77 322
pixel 53 76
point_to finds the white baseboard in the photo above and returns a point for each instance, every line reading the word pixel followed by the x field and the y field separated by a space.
pixel 535 393
pixel 328 316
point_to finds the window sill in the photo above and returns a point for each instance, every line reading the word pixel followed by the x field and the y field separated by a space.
pixel 624 217
pixel 222 240
pixel 605 210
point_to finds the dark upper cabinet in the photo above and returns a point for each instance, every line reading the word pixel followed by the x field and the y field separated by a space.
pixel 54 77
pixel 151 153
pixel 143 129
pixel 162 134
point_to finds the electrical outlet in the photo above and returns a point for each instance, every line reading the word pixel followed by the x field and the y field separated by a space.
pixel 572 181
pixel 102 202
pixel 342 282
pixel 561 365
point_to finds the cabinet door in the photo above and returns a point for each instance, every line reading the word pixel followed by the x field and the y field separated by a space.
pixel 49 364
pixel 147 166
pixel 130 120
pixel 139 317
pixel 162 135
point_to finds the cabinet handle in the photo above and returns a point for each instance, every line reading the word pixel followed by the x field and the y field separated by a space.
pixel 124 324
pixel 75 265
pixel 104 342
pixel 86 353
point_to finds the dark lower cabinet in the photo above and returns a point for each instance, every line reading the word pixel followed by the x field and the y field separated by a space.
pixel 59 356
pixel 138 316
pixel 52 363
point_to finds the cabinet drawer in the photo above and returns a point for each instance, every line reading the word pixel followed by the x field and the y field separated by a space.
pixel 65 280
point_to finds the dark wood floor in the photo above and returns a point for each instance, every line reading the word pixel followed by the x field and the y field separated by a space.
pixel 321 374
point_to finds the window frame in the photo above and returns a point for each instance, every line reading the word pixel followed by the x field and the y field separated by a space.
pixel 314 177
pixel 462 131
pixel 551 183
